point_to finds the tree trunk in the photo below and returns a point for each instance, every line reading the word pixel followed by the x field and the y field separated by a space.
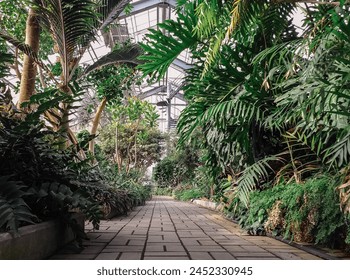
pixel 117 155
pixel 27 86
pixel 135 162
pixel 95 123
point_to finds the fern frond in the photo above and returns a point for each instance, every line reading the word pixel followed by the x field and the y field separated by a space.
pixel 253 175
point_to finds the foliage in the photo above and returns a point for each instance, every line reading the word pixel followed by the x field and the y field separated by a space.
pixel 31 159
pixel 14 210
pixel 175 168
pixel 41 177
pixel 4 59
pixel 165 173
pixel 188 193
pixel 132 138
pixel 306 213
pixel 111 82
pixel 163 191
pixel 271 104
pixel 130 183
pixel 83 138
pixel 126 54
pixel 47 182
pixel 13 20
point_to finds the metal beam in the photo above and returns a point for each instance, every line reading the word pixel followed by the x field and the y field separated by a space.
pixel 181 64
pixel 152 92
pixel 181 97
pixel 173 104
pixel 143 5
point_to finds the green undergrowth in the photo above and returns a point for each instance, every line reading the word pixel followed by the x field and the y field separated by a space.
pixel 307 212
pixel 163 191
pixel 39 181
pixel 188 193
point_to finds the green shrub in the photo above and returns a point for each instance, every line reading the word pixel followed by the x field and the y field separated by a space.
pixel 187 193
pixel 177 168
pixel 163 191
pixel 48 180
pixel 306 212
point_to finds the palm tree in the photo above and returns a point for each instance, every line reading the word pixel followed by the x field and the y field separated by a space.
pixel 72 25
pixel 28 76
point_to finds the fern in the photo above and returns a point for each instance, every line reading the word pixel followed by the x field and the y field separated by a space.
pixel 253 175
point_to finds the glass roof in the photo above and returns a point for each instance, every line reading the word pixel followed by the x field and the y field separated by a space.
pixel 167 93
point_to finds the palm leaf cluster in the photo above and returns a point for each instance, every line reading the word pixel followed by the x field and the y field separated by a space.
pixel 266 99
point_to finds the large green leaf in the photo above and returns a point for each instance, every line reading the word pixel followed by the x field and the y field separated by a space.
pixel 13 209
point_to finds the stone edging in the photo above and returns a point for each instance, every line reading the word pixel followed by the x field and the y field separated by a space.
pixel 37 242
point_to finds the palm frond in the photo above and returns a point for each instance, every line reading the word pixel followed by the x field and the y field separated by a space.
pixel 189 120
pixel 253 175
pixel 207 12
pixel 161 49
pixel 110 10
pixel 127 55
pixel 26 49
pixel 338 154
pixel 5 58
pixel 239 7
pixel 71 23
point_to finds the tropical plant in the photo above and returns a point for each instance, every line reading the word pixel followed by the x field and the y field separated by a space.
pixel 14 210
pixel 306 213
pixel 136 138
pixel 176 168
pixel 111 83
pixel 72 25
pixel 270 103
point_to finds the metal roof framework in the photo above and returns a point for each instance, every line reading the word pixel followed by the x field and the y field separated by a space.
pixel 167 94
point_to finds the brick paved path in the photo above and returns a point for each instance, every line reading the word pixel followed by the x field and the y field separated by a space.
pixel 173 230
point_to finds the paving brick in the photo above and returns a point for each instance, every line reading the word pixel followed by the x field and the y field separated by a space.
pixel 140 242
pixel 110 249
pixel 307 256
pixel 200 256
pixel 130 256
pixel 164 254
pixel 155 248
pixel 92 249
pixel 222 256
pixel 204 248
pixel 171 239
pixel 288 256
pixel 174 229
pixel 107 256
pixel 253 248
